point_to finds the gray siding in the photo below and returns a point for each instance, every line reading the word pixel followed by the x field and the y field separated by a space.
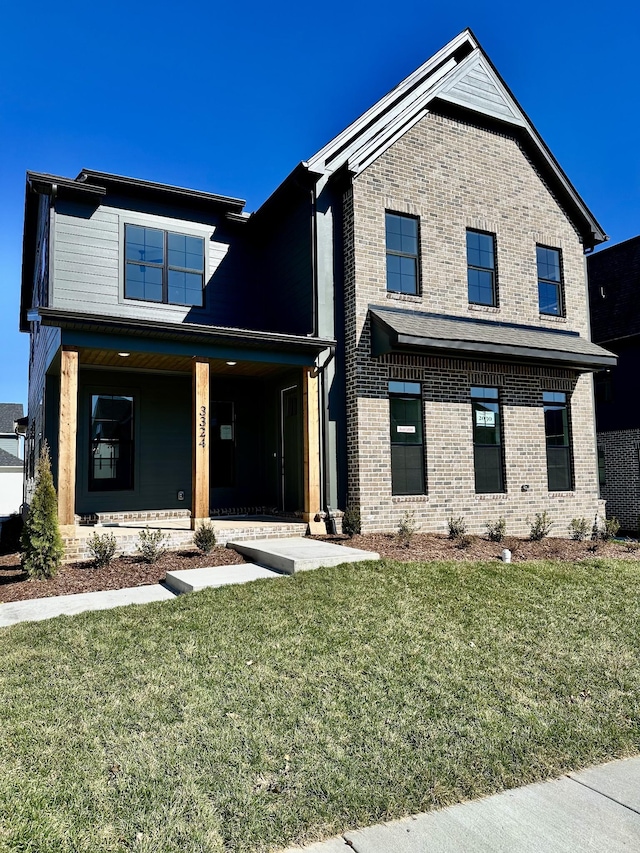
pixel 89 262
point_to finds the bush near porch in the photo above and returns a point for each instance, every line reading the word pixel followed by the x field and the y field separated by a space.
pixel 247 718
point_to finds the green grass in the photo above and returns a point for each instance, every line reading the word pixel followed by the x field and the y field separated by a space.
pixel 251 717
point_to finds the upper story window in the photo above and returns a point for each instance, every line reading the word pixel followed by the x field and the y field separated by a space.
pixel 161 266
pixel 550 299
pixel 402 253
pixel 481 268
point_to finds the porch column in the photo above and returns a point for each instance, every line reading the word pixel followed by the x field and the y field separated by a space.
pixel 311 453
pixel 200 451
pixel 67 432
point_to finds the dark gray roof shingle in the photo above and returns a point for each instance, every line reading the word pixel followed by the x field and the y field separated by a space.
pixel 398 330
pixel 9 413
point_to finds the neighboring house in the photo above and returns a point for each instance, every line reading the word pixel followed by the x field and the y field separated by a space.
pixel 402 326
pixel 614 293
pixel 11 464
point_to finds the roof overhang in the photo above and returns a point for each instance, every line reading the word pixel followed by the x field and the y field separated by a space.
pixel 79 329
pixel 397 331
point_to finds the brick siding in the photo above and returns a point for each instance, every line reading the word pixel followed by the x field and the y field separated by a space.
pixel 455 176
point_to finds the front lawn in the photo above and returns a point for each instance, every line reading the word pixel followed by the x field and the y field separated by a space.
pixel 247 718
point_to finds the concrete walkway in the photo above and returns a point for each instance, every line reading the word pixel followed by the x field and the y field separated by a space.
pixel 593 810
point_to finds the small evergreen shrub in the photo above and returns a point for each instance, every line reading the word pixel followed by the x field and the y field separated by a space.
pixel 609 529
pixel 151 545
pixel 407 528
pixel 541 527
pixel 578 529
pixel 205 538
pixel 351 521
pixel 41 542
pixel 497 530
pixel 102 549
pixel 457 527
pixel 10 533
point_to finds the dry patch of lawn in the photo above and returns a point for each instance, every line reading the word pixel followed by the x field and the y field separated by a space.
pixel 248 718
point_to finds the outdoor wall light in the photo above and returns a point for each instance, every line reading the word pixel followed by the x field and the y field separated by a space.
pixel 124 354
pixel 232 363
pixel 525 488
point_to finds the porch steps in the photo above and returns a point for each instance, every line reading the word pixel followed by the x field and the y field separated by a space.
pixel 192 580
pixel 296 554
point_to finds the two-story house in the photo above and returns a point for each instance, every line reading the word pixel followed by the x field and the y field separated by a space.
pixel 402 325
pixel 614 286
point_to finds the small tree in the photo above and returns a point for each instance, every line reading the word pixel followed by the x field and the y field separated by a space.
pixel 42 547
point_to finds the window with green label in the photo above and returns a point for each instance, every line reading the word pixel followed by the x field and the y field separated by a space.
pixel 487 440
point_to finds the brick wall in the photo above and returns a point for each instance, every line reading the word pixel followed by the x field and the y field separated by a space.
pixel 622 474
pixel 455 176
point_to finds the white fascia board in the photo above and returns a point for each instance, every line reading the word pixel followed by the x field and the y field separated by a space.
pixel 318 161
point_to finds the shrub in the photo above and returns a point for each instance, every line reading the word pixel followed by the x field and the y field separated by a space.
pixel 540 527
pixel 578 529
pixel 407 528
pixel 463 542
pixel 351 521
pixel 102 549
pixel 205 538
pixel 10 533
pixel 151 545
pixel 609 529
pixel 42 547
pixel 496 531
pixel 457 527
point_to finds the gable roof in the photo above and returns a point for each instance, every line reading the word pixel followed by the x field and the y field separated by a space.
pixel 9 414
pixel 460 77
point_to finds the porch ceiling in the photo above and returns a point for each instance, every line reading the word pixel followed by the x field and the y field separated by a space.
pixel 174 363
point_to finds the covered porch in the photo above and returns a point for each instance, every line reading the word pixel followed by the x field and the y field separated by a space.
pixel 178 428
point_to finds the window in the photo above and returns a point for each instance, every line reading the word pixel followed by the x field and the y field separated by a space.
pixel 487 440
pixel 111 445
pixel 603 387
pixel 602 469
pixel 402 253
pixel 223 445
pixel 481 268
pixel 549 281
pixel 161 266
pixel 407 446
pixel 556 428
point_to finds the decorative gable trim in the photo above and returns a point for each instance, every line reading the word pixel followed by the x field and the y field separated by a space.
pixel 475 86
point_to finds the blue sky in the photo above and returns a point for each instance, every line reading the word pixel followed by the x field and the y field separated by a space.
pixel 229 98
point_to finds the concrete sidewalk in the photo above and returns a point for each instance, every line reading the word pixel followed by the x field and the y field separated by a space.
pixel 593 810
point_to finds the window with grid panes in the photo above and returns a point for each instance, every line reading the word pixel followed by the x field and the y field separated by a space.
pixel 402 253
pixel 407 443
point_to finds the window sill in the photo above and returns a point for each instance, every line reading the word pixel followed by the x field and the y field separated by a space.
pixel 403 297
pixel 401 499
pixel 553 318
pixel 492 496
pixel 484 309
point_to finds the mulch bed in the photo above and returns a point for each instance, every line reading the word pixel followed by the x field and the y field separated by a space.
pixel 130 571
pixel 120 573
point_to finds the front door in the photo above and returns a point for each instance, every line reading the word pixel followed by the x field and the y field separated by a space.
pixel 291 449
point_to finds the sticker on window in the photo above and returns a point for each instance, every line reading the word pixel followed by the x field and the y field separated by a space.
pixel 409 429
pixel 485 419
pixel 226 432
